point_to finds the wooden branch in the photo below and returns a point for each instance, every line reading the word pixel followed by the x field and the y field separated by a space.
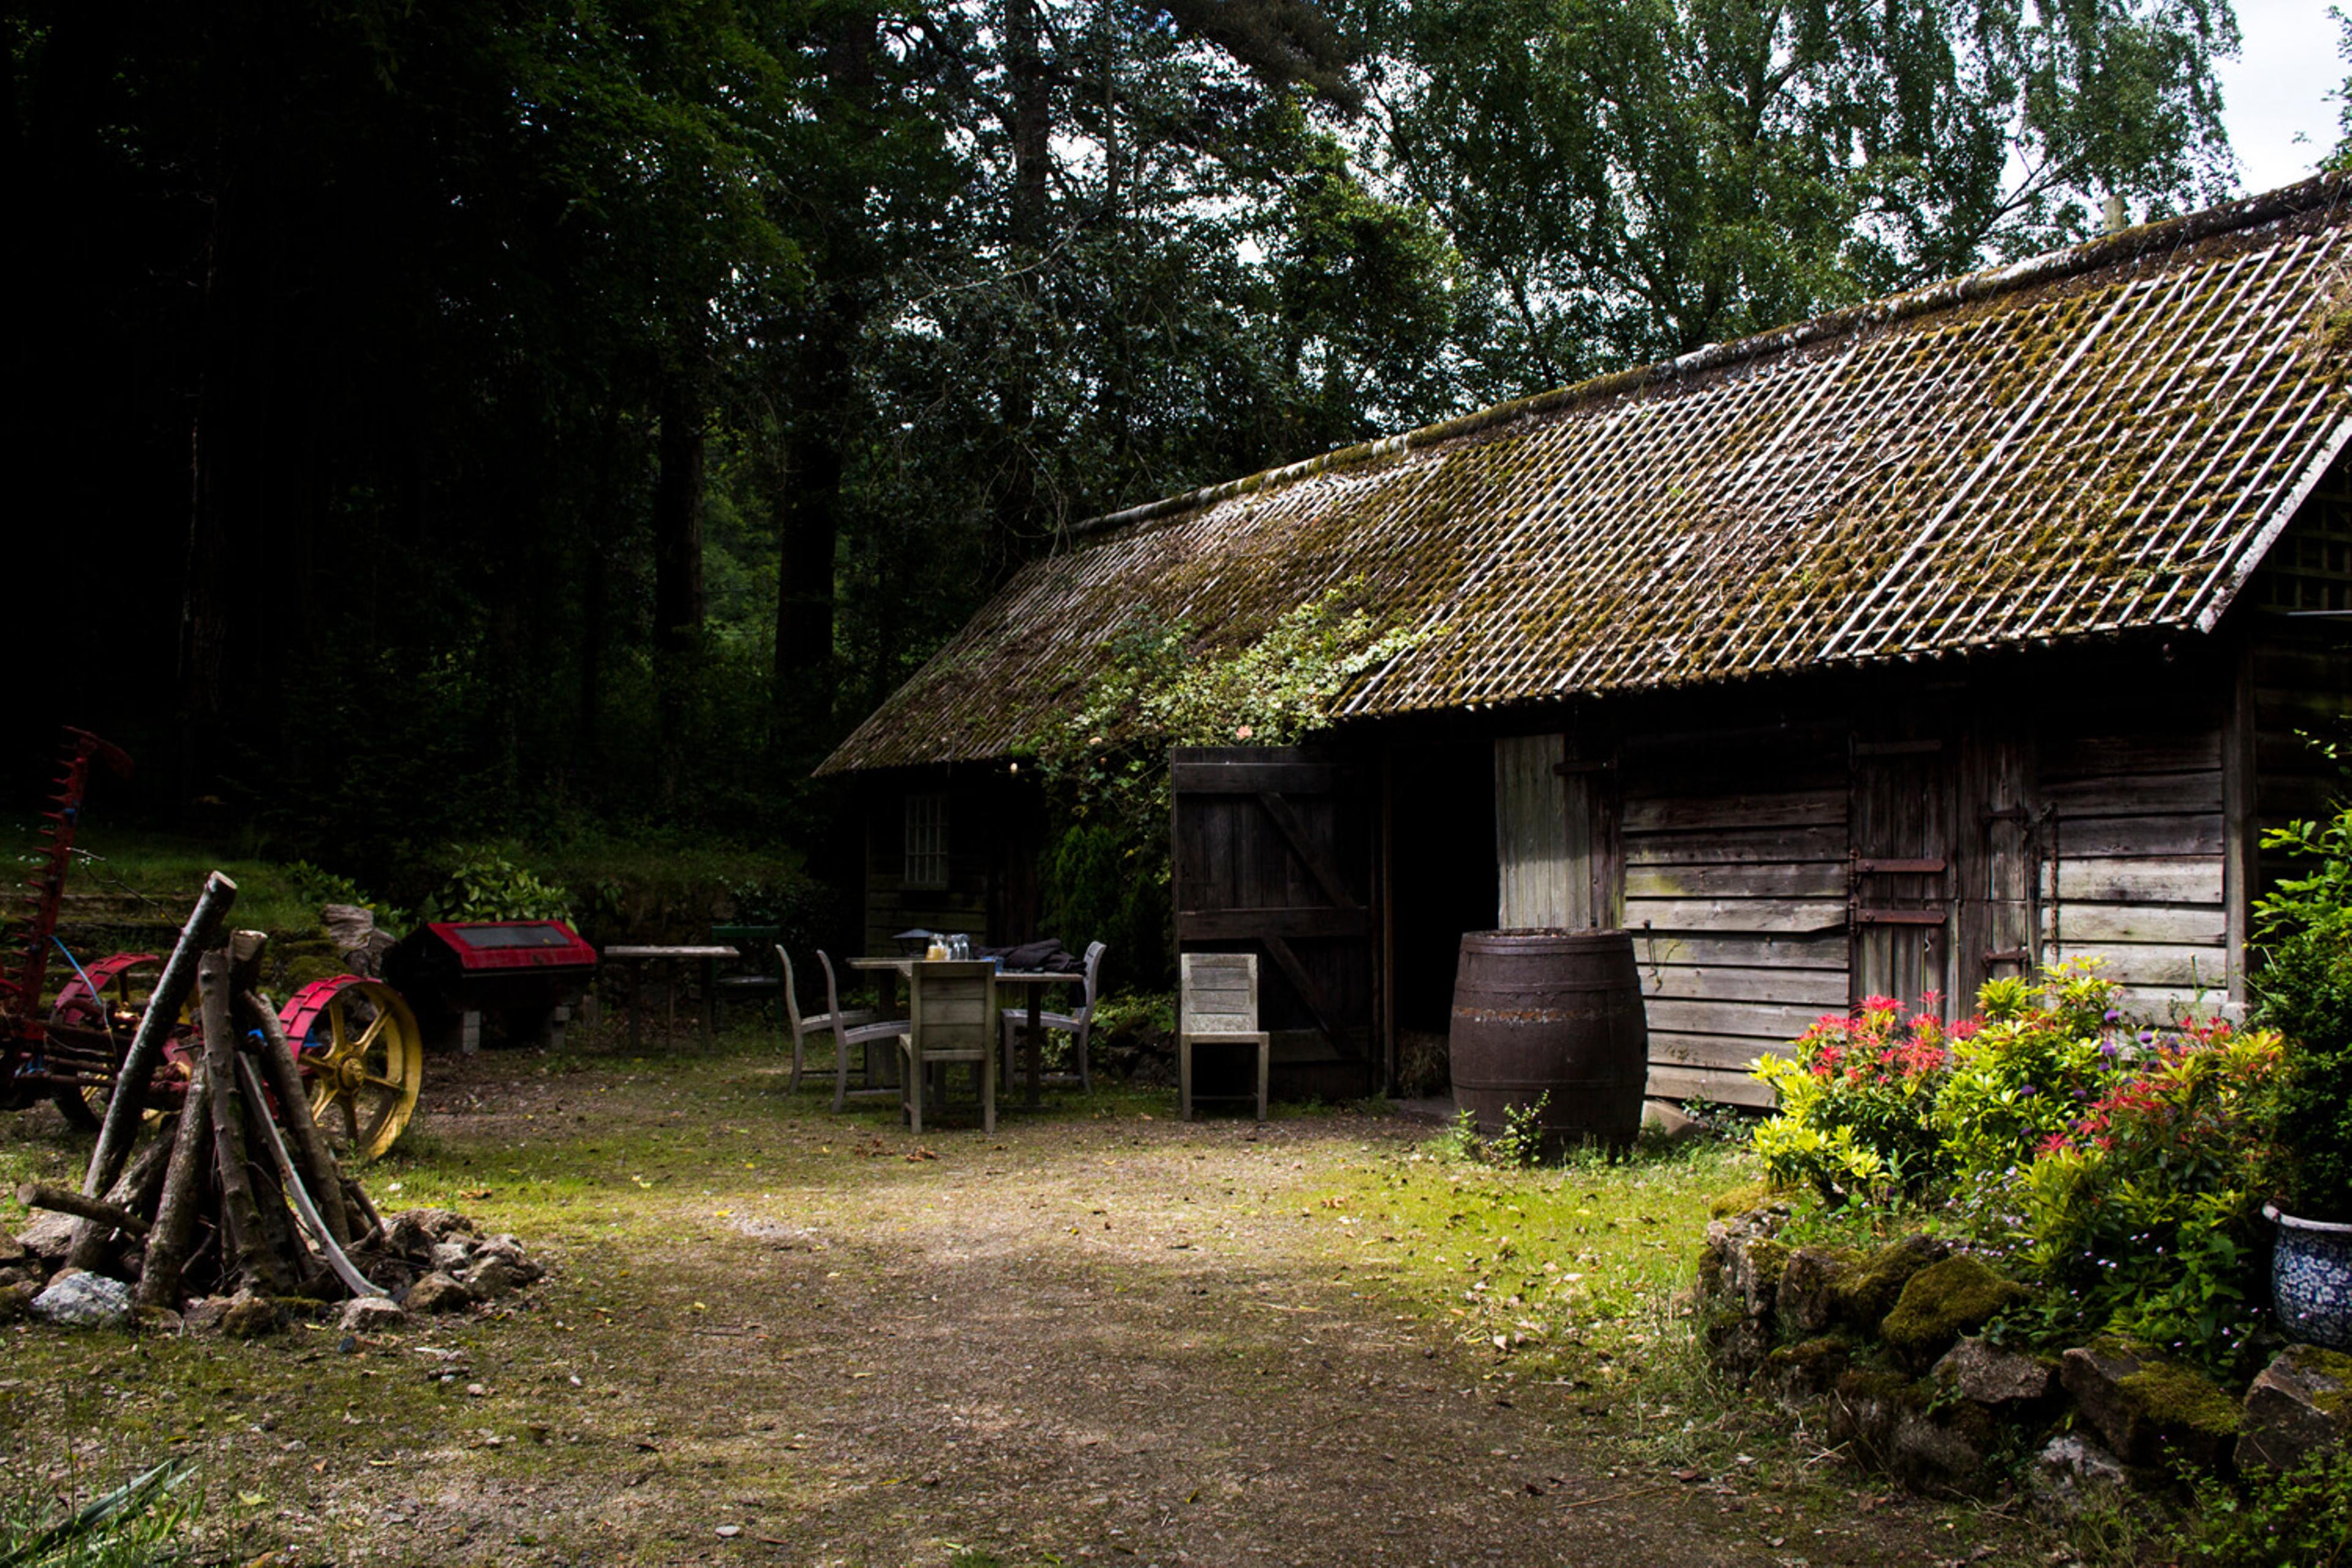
pixel 242 1235
pixel 356 1199
pixel 93 1241
pixel 307 1146
pixel 183 1187
pixel 64 1200
pixel 171 993
pixel 359 1283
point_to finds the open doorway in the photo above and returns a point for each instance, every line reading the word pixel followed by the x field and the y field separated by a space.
pixel 1441 882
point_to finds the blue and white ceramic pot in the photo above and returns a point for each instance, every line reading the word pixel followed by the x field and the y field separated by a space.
pixel 2311 1279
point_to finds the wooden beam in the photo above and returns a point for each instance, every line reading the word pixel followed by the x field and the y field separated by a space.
pixel 1295 832
pixel 1285 958
pixel 1245 925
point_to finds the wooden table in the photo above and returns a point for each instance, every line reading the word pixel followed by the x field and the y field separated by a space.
pixel 1037 981
pixel 636 958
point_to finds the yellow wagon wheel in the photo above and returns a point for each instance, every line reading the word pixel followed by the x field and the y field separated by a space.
pixel 361 1049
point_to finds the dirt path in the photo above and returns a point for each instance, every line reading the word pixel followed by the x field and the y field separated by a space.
pixel 1092 1338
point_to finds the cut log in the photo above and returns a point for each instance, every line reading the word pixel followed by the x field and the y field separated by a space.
pixel 314 1160
pixel 243 1238
pixel 64 1200
pixel 163 1004
pixel 184 1188
pixel 303 1204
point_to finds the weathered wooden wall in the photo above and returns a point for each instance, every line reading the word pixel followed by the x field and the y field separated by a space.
pixel 1735 888
pixel 2134 838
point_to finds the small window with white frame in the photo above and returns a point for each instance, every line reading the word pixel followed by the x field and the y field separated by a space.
pixel 927 841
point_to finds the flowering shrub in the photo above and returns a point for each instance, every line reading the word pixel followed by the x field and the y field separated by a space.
pixel 1855 1101
pixel 2139 1215
pixel 2121 1169
pixel 2023 1071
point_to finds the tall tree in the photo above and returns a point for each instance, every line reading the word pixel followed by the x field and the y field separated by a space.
pixel 1638 177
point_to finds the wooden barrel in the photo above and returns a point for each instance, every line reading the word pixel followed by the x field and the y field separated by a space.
pixel 1556 1012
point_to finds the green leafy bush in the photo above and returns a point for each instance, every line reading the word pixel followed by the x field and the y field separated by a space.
pixel 2022 1070
pixel 2298 1518
pixel 1520 1142
pixel 486 886
pixel 2302 988
pixel 2139 1219
pixel 142 1523
pixel 2120 1169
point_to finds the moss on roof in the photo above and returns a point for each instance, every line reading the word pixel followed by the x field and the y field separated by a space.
pixel 2101 440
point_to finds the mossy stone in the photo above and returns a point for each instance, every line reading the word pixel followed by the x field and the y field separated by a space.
pixel 1941 1302
pixel 2150 1409
pixel 1738 1200
pixel 1808 1370
pixel 1866 1295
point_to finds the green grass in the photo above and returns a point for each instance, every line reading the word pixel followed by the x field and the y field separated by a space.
pixel 161 876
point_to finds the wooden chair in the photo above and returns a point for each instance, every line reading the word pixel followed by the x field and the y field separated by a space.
pixel 951 1017
pixel 1079 1026
pixel 1218 1006
pixel 847 1028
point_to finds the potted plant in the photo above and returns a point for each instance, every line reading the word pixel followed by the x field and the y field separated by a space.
pixel 2303 988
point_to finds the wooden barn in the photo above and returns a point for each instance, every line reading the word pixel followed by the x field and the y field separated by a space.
pixel 1930 640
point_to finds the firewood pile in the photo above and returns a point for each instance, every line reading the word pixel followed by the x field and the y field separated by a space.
pixel 238 1195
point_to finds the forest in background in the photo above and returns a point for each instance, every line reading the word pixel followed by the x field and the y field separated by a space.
pixel 436 421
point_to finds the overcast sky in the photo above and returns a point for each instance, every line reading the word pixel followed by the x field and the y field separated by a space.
pixel 2278 87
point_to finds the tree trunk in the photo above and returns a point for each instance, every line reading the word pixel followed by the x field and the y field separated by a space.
pixel 1014 517
pixel 677 571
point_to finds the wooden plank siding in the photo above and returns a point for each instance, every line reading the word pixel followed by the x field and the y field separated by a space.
pixel 1734 889
pixel 2134 863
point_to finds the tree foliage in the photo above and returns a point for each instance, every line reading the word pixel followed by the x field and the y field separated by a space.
pixel 1637 180
pixel 457 418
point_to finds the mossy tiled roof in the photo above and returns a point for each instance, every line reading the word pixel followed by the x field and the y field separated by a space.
pixel 2097 441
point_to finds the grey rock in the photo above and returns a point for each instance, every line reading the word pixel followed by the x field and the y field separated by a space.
pixel 2073 1474
pixel 1995 1377
pixel 1668 1119
pixel 82 1300
pixel 2148 1408
pixel 48 1236
pixel 248 1316
pixel 1893 1426
pixel 449 1257
pixel 371 1315
pixel 1800 1374
pixel 26 1273
pixel 437 1292
pixel 12 1251
pixel 493 1277
pixel 2300 1404
pixel 203 1315
pixel 509 1250
pixel 1808 1290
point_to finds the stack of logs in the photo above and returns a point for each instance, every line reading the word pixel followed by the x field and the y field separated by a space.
pixel 239 1189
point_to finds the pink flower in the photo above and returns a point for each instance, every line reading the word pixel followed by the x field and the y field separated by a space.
pixel 1244 733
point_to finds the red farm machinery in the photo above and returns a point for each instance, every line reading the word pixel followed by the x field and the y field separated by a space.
pixel 357 1044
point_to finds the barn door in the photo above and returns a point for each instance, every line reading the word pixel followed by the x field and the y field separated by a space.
pixel 1273 851
pixel 1900 882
